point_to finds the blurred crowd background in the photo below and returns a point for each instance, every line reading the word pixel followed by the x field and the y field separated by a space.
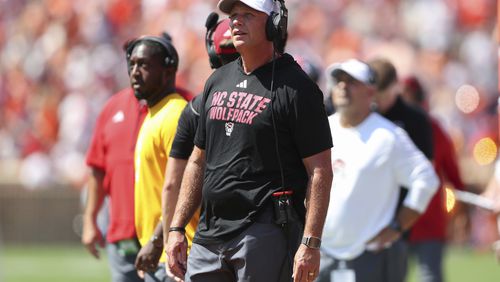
pixel 60 60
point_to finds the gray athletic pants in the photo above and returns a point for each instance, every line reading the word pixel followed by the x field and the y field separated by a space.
pixel 121 266
pixel 256 255
pixel 160 275
pixel 388 265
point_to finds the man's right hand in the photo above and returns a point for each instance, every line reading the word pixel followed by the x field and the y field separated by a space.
pixel 91 237
pixel 148 257
pixel 384 239
pixel 176 250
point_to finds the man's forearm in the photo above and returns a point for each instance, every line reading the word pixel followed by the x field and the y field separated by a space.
pixel 170 193
pixel 318 192
pixel 95 195
pixel 407 217
pixel 317 201
pixel 157 237
pixel 190 193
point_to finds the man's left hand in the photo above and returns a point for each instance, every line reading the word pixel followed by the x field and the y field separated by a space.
pixel 306 264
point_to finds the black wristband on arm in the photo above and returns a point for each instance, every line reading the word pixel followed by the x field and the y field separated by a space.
pixel 177 229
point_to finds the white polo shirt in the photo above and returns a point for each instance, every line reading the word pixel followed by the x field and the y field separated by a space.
pixel 371 162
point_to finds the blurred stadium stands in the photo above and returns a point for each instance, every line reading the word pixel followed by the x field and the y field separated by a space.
pixel 60 60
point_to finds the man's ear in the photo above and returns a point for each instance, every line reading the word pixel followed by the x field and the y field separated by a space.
pixel 372 90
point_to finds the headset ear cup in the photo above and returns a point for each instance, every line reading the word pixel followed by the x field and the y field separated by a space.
pixel 276 26
pixel 169 62
pixel 270 28
pixel 213 58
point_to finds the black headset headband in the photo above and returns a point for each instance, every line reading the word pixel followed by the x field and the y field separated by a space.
pixel 171 59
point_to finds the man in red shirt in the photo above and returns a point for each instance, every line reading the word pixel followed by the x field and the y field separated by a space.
pixel 428 235
pixel 111 159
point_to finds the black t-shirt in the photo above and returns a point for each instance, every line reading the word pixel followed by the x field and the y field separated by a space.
pixel 186 130
pixel 418 126
pixel 415 122
pixel 236 131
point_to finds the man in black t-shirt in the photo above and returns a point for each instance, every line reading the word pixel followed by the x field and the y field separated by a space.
pixel 221 50
pixel 392 106
pixel 413 120
pixel 262 129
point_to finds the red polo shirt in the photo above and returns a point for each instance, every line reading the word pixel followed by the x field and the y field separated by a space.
pixel 432 224
pixel 112 150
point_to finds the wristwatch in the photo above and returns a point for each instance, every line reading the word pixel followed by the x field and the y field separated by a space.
pixel 396 226
pixel 311 242
pixel 157 241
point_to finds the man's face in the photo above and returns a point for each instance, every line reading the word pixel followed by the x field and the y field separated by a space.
pixel 350 94
pixel 248 26
pixel 147 72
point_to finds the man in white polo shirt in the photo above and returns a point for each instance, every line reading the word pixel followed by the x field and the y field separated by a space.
pixel 371 158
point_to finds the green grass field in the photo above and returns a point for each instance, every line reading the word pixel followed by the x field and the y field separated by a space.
pixel 51 264
pixel 464 265
pixel 73 263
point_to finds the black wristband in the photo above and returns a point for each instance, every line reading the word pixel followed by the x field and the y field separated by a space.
pixel 177 229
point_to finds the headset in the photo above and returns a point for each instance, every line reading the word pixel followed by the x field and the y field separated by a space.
pixel 171 59
pixel 211 24
pixel 216 59
pixel 276 26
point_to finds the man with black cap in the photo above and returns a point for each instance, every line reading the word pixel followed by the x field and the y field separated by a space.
pixel 263 131
pixel 372 158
